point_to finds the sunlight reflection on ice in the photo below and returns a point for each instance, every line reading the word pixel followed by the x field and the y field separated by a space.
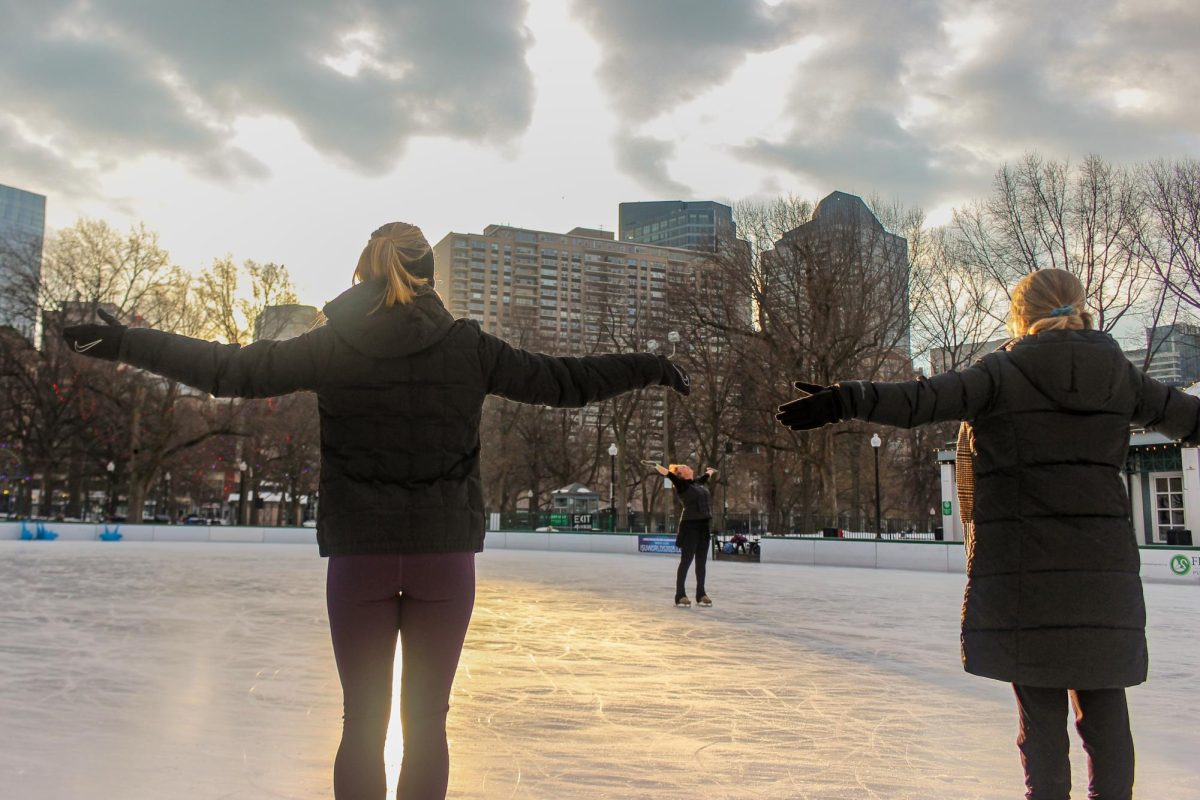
pixel 133 670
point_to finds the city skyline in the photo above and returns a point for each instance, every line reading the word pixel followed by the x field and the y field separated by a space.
pixel 287 133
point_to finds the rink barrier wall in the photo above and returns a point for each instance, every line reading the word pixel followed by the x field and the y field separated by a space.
pixel 1160 564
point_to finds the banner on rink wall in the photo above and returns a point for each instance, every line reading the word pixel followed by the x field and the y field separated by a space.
pixel 1186 565
pixel 664 543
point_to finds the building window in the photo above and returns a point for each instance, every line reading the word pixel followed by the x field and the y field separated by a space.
pixel 1167 491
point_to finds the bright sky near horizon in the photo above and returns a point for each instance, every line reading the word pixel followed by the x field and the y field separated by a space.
pixel 286 130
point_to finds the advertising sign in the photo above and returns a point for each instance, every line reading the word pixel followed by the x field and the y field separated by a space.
pixel 661 543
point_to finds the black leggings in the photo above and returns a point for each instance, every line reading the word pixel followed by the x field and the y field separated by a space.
pixel 426 600
pixel 1102 719
pixel 693 544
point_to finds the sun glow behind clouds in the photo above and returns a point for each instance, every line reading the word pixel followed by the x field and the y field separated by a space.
pixel 751 104
pixel 1133 99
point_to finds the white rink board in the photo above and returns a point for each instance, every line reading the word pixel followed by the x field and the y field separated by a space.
pixel 828 552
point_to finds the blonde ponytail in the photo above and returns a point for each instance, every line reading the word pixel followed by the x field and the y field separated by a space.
pixel 393 253
pixel 1048 300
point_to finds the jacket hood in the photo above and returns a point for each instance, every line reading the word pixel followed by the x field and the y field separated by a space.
pixel 382 332
pixel 1078 370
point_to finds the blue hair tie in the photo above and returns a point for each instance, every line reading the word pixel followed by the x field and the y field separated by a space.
pixel 1063 311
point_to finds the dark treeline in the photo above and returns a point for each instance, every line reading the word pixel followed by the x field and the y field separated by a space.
pixel 851 303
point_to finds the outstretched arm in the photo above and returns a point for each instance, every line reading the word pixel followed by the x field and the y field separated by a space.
pixel 947 396
pixel 570 382
pixel 1165 409
pixel 263 369
pixel 679 483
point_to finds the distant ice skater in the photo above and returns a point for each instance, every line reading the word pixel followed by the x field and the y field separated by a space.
pixel 692 538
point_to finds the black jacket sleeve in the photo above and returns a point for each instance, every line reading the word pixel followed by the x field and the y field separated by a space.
pixel 679 483
pixel 263 369
pixel 703 479
pixel 946 396
pixel 564 381
pixel 1165 409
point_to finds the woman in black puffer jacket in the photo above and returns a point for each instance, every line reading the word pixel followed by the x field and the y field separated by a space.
pixel 400 385
pixel 1054 599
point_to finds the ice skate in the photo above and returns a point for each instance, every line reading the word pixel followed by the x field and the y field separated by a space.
pixel 683 602
pixel 703 600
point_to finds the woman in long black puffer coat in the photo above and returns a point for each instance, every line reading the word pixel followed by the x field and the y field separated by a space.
pixel 1054 601
pixel 400 385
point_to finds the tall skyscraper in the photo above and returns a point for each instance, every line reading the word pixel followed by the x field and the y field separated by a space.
pixel 690 225
pixel 22 233
pixel 571 290
pixel 847 245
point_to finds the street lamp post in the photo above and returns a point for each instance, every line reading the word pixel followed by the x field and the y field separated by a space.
pixel 673 338
pixel 242 467
pixel 167 496
pixel 612 484
pixel 652 346
pixel 111 469
pixel 875 443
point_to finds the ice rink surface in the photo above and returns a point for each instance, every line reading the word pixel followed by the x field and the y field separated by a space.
pixel 154 671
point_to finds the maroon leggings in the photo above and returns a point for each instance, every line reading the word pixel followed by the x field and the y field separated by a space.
pixel 427 599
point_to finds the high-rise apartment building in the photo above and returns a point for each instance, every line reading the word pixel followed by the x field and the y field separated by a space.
pixel 1174 354
pixel 691 225
pixel 569 291
pixel 22 232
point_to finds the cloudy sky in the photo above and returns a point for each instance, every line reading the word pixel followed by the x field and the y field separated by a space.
pixel 287 130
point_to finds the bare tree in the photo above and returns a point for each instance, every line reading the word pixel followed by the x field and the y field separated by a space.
pixel 955 309
pixel 1170 240
pixel 1048 214
pixel 232 297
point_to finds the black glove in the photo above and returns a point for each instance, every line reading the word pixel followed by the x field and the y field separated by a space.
pixel 819 406
pixel 675 377
pixel 97 341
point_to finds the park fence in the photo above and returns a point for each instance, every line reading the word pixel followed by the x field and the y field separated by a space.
pixel 844 526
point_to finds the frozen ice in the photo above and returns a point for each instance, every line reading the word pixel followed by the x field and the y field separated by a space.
pixel 144 671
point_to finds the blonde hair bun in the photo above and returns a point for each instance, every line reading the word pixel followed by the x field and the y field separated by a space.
pixel 1048 300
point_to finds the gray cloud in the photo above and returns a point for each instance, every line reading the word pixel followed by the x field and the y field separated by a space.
pixel 1049 80
pixel 1045 81
pixel 114 78
pixel 659 53
pixel 646 159
pixel 38 169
